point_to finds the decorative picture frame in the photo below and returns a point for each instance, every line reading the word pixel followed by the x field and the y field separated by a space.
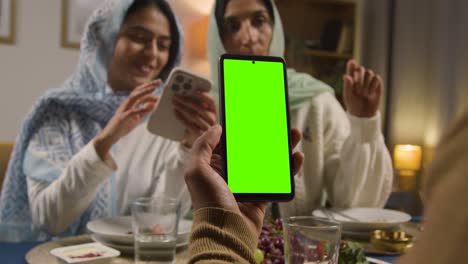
pixel 8 21
pixel 75 14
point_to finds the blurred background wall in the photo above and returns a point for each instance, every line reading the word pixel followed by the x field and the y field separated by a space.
pixel 34 63
pixel 428 74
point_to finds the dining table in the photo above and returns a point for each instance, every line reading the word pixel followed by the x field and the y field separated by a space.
pixel 38 252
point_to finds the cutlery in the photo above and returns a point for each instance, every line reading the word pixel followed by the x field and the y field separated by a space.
pixel 338 212
pixel 376 261
pixel 327 214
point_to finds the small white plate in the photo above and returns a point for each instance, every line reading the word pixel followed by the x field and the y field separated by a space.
pixel 368 218
pixel 118 230
pixel 85 253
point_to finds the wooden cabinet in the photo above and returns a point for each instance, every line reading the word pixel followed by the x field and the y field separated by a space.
pixel 310 26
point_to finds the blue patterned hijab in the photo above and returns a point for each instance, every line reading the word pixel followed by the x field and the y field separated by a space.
pixel 84 104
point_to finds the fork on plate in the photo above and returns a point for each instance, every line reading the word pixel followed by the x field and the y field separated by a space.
pixel 330 214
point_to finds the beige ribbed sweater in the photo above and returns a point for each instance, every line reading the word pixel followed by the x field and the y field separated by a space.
pixel 445 191
pixel 220 236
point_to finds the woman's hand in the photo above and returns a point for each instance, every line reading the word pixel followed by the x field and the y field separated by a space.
pixel 208 188
pixel 197 113
pixel 362 90
pixel 139 103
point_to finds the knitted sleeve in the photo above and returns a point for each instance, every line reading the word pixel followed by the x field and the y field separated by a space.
pixel 220 236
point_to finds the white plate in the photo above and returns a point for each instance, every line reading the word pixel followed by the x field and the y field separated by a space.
pixel 124 248
pixel 368 218
pixel 117 230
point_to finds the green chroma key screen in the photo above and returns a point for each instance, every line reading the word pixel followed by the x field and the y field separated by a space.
pixel 256 128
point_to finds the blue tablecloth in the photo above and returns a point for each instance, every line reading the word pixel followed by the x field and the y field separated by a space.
pixel 15 253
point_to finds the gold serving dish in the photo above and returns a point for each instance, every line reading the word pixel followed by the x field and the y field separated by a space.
pixel 393 241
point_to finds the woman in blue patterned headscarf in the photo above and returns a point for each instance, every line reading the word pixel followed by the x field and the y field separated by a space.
pixel 83 151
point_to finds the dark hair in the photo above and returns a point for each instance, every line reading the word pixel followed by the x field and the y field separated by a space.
pixel 220 9
pixel 175 34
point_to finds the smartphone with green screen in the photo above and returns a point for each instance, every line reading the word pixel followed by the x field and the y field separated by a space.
pixel 256 140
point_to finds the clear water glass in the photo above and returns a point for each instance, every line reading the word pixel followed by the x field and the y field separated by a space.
pixel 155 225
pixel 311 240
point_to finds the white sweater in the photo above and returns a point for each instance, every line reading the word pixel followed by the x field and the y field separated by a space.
pixel 344 155
pixel 147 165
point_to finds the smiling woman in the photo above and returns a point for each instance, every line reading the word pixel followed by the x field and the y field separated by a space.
pixel 84 152
pixel 142 49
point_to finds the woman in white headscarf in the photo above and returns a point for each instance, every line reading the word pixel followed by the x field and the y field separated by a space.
pixel 346 160
pixel 84 151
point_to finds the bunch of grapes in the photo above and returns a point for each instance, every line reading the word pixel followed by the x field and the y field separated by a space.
pixel 270 248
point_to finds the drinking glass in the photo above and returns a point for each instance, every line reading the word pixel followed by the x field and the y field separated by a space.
pixel 155 224
pixel 311 240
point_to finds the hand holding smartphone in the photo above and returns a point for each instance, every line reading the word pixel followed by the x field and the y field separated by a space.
pixel 256 141
pixel 163 120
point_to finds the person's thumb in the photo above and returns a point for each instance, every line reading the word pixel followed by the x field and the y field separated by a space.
pixel 202 149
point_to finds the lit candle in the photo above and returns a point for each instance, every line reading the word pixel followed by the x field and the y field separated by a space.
pixel 407 159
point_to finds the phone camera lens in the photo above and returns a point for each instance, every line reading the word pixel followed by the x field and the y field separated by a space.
pixel 179 78
pixel 253 62
pixel 175 88
pixel 187 86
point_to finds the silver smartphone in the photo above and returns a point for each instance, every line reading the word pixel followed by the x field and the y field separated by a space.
pixel 163 121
